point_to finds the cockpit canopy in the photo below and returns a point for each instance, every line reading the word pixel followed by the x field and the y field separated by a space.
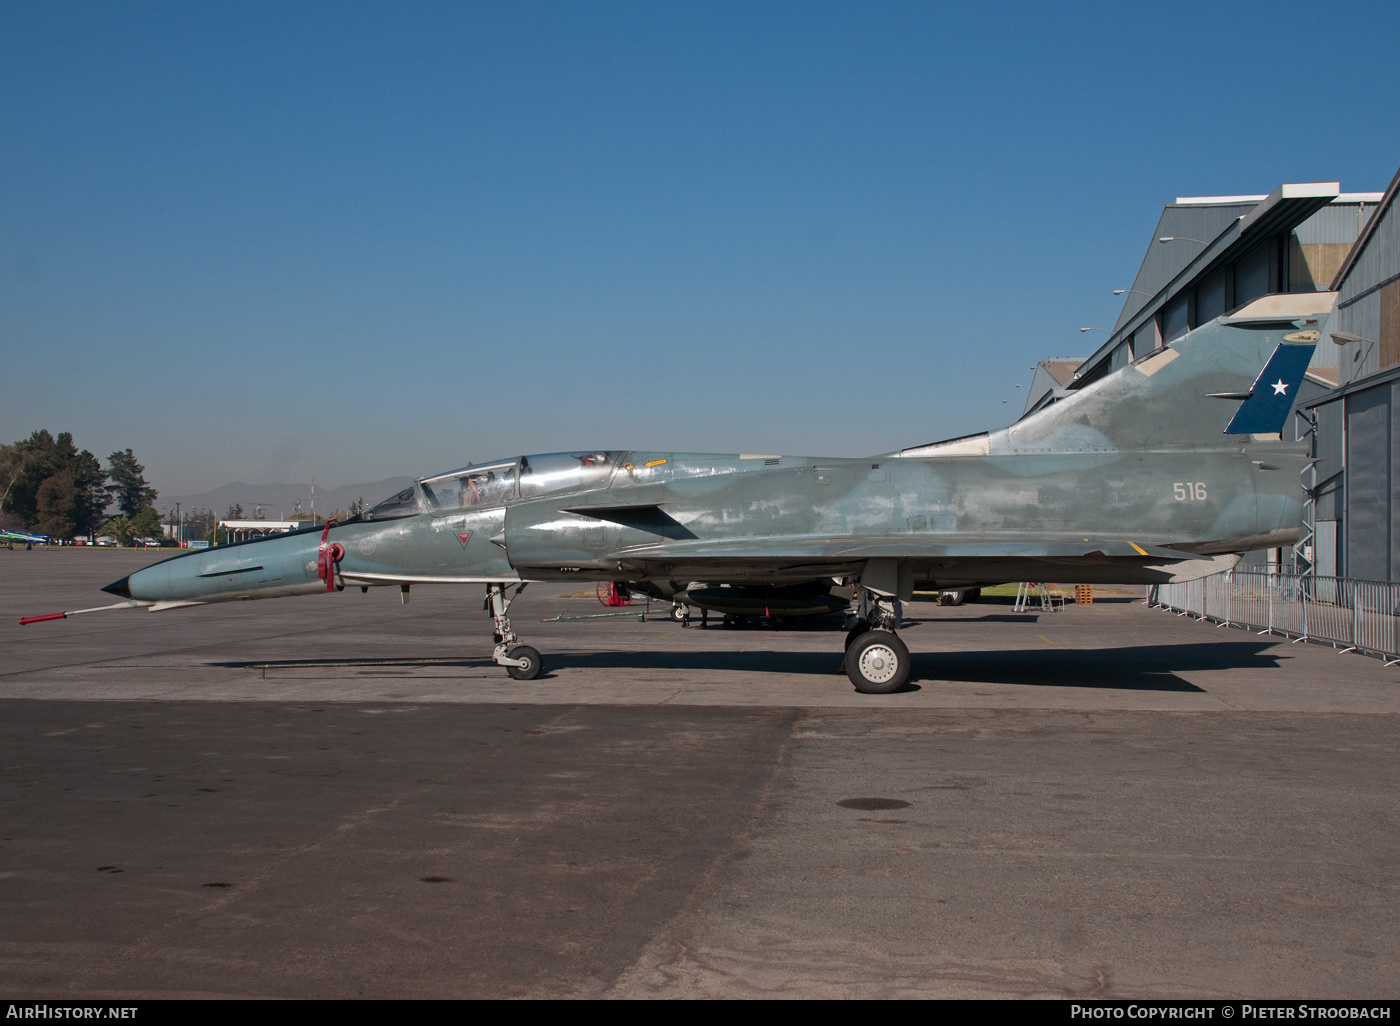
pixel 489 484
pixel 499 482
pixel 564 471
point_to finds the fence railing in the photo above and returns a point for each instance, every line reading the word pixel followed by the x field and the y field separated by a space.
pixel 1359 615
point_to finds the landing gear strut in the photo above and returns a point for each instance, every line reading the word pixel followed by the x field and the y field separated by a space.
pixel 877 662
pixel 521 661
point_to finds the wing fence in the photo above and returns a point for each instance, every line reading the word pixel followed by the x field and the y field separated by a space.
pixel 1357 615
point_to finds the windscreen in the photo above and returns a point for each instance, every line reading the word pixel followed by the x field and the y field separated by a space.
pixel 404 504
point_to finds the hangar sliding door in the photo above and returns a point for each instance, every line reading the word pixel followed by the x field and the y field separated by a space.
pixel 1368 431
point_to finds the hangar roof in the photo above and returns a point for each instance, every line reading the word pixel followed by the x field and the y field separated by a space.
pixel 1206 235
pixel 1227 227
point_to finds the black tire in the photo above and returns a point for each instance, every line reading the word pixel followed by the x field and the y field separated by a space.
pixel 860 628
pixel 678 613
pixel 878 663
pixel 533 667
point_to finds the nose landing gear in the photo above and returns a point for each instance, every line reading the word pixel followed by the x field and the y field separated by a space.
pixel 521 661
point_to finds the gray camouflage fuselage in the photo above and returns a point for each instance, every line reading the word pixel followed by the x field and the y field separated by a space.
pixel 1128 480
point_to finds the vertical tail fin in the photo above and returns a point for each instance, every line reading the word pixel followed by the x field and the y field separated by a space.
pixel 1271 397
pixel 1233 378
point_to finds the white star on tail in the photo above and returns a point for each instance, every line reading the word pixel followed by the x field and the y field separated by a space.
pixel 1280 388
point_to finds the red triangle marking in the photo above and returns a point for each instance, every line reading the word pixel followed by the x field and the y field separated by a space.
pixel 464 538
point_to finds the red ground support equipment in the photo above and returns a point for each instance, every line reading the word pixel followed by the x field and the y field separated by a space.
pixel 610 593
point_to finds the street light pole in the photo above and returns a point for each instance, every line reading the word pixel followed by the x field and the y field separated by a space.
pixel 1342 338
pixel 1199 242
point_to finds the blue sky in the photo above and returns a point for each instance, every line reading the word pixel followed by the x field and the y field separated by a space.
pixel 266 241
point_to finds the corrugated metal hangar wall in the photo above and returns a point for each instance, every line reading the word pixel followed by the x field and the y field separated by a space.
pixel 1357 515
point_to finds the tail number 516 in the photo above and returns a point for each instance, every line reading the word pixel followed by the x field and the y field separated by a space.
pixel 1189 490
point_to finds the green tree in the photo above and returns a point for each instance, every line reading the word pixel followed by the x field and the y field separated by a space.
pixel 90 506
pixel 31 462
pixel 12 461
pixel 54 503
pixel 235 512
pixel 41 456
pixel 128 489
pixel 118 528
pixel 146 524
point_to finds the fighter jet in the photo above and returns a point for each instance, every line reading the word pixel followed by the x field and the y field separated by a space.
pixel 1165 470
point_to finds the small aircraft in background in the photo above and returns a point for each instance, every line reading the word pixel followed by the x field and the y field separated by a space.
pixel 23 536
pixel 1163 471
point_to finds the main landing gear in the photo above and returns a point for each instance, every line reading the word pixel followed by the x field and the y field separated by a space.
pixel 877 662
pixel 521 661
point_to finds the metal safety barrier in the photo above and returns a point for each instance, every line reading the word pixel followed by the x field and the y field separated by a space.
pixel 1362 616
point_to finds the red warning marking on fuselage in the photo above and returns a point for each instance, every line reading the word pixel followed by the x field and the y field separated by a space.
pixel 464 538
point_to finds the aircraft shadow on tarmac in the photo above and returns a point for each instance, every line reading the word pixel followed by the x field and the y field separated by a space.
pixel 1138 668
pixel 1001 618
pixel 1135 668
pixel 350 662
pixel 1144 668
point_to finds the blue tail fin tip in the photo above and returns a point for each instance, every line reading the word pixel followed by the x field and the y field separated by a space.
pixel 1274 392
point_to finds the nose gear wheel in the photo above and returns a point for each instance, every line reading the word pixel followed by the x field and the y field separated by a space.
pixel 533 663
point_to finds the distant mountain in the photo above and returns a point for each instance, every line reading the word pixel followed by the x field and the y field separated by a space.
pixel 279 500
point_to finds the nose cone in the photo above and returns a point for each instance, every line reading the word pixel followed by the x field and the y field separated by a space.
pixel 284 564
pixel 121 588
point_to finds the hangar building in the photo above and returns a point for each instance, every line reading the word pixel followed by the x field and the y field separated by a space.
pixel 1211 254
pixel 1356 525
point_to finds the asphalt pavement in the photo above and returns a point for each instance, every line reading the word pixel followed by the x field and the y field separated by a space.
pixel 341 795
